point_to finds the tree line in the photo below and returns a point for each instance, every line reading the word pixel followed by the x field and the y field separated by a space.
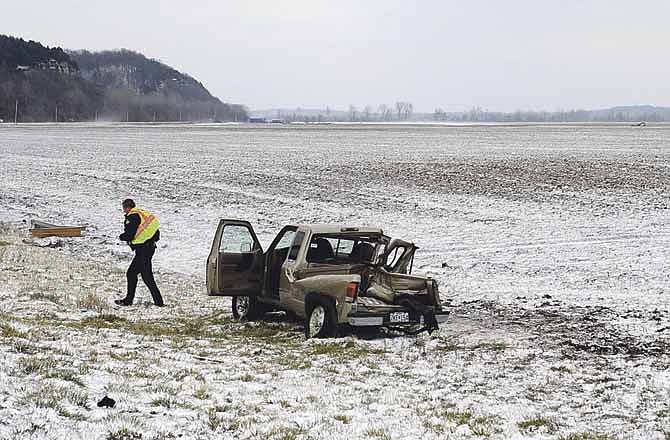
pixel 616 114
pixel 16 52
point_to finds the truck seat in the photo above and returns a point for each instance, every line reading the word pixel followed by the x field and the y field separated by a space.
pixel 321 252
pixel 362 252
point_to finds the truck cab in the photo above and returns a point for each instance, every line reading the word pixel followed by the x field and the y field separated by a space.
pixel 329 275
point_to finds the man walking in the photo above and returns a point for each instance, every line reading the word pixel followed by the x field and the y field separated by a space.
pixel 141 233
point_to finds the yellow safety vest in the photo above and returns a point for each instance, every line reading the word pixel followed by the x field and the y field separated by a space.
pixel 147 228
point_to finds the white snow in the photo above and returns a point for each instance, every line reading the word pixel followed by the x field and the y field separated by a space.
pixel 550 244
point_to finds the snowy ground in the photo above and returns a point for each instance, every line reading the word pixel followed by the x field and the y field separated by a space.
pixel 550 244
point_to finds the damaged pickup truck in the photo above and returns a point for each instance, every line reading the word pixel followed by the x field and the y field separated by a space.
pixel 329 275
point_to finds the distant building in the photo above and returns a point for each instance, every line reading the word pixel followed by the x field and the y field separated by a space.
pixel 278 121
pixel 55 66
pixel 258 120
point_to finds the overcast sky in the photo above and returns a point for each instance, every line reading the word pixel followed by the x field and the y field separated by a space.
pixel 498 55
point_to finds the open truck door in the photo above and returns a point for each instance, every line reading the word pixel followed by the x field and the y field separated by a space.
pixel 235 262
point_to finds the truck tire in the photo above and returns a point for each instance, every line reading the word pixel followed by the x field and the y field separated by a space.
pixel 245 308
pixel 321 319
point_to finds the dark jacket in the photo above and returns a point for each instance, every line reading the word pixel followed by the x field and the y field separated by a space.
pixel 130 225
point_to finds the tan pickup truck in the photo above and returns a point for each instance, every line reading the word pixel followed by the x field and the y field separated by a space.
pixel 330 275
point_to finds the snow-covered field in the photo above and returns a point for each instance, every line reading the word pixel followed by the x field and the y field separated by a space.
pixel 550 244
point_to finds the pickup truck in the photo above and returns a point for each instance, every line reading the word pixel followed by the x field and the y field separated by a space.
pixel 329 275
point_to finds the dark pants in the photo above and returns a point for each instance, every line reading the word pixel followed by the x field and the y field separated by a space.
pixel 141 265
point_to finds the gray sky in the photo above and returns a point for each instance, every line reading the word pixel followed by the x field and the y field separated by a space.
pixel 499 55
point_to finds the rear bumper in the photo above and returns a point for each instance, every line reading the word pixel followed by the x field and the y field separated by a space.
pixel 375 319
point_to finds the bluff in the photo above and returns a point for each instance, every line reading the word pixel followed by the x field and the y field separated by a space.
pixel 53 84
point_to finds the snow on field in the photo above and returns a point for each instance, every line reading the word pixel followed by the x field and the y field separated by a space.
pixel 550 244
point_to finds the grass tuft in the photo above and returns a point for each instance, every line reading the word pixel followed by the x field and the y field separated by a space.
pixel 91 301
pixel 378 433
pixel 536 423
pixel 36 365
pixel 7 331
pixel 214 421
pixel 284 433
pixel 343 418
pixel 202 393
pixel 344 351
pixel 165 401
pixel 123 434
pixel 66 375
pixel 586 436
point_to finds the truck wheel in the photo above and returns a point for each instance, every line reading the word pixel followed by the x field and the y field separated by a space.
pixel 321 321
pixel 245 307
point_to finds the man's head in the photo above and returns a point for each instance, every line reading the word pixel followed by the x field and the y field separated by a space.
pixel 128 204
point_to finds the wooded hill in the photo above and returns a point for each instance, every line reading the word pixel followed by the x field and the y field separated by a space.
pixel 49 83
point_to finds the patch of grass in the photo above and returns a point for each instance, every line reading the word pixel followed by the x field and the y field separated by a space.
pixel 75 397
pixel 164 388
pixel 202 393
pixel 536 393
pixel 448 347
pixel 343 418
pixel 491 346
pixel 586 436
pixel 378 433
pixel 24 348
pixel 534 424
pixel 49 396
pixel 561 369
pixel 47 296
pixel 165 401
pixel 247 378
pixel 457 417
pixel 437 428
pixel 36 365
pixel 4 243
pixel 32 429
pixel 344 351
pixel 186 372
pixel 123 434
pixel 67 375
pixel 91 301
pixel 123 357
pixel 103 320
pixel 72 415
pixel 7 331
pixel 117 387
pixel 272 335
pixel 214 421
pixel 291 362
pixel 482 425
pixel 243 424
pixel 284 433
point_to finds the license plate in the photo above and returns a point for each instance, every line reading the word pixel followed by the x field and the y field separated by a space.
pixel 399 317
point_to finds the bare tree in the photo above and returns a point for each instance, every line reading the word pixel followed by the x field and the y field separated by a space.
pixel 409 109
pixel 399 107
pixel 367 111
pixel 353 113
pixel 382 111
